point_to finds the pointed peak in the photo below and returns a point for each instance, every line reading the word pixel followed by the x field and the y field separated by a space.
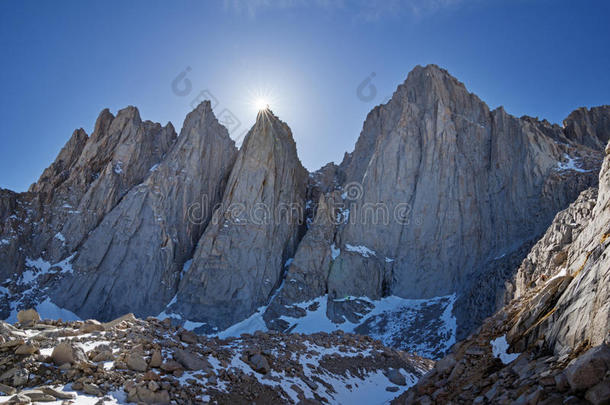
pixel 431 73
pixel 198 114
pixel 203 107
pixel 102 124
pixel 79 134
pixel 130 113
pixel 266 115
pixel 202 120
pixel 170 127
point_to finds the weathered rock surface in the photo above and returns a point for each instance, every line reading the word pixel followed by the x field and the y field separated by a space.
pixel 66 352
pixel 550 341
pixel 117 156
pixel 269 368
pixel 589 126
pixel 439 194
pixel 307 274
pixel 582 313
pixel 154 227
pixel 240 258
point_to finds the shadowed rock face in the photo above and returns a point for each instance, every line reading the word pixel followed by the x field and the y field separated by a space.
pixel 580 236
pixel 472 182
pixel 240 258
pixel 556 328
pixel 88 178
pixel 449 196
pixel 132 261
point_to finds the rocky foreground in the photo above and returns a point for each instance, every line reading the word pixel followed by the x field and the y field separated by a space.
pixel 152 362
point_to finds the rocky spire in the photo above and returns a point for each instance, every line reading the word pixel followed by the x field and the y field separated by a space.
pixel 240 258
pixel 589 126
pixel 154 227
pixel 59 170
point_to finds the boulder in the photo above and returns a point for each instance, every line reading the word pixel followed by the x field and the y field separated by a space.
pixel 91 325
pixel 396 377
pixel 67 352
pixel 27 349
pixel 57 394
pixel 28 317
pixel 259 363
pixel 135 361
pixel 19 399
pixel 92 389
pixel 589 369
pixel 191 361
pixel 155 359
pixel 600 393
pixel 15 376
pixel 38 396
pixel 143 394
pixel 188 337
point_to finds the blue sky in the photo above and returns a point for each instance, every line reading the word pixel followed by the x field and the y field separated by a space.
pixel 63 62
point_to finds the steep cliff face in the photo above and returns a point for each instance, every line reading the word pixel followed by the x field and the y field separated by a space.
pixel 117 156
pixel 132 261
pixel 579 308
pixel 307 274
pixel 551 341
pixel 240 258
pixel 443 196
pixel 88 178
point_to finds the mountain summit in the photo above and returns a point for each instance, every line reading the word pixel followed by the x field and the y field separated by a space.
pixel 433 212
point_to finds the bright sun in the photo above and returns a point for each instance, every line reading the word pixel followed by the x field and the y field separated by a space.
pixel 262 99
pixel 261 104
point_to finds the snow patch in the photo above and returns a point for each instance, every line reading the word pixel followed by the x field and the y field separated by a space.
pixel 118 167
pixel 185 268
pixel 48 310
pixel 40 266
pixel 499 348
pixel 570 164
pixel 430 322
pixel 249 325
pixel 334 251
pixel 361 249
